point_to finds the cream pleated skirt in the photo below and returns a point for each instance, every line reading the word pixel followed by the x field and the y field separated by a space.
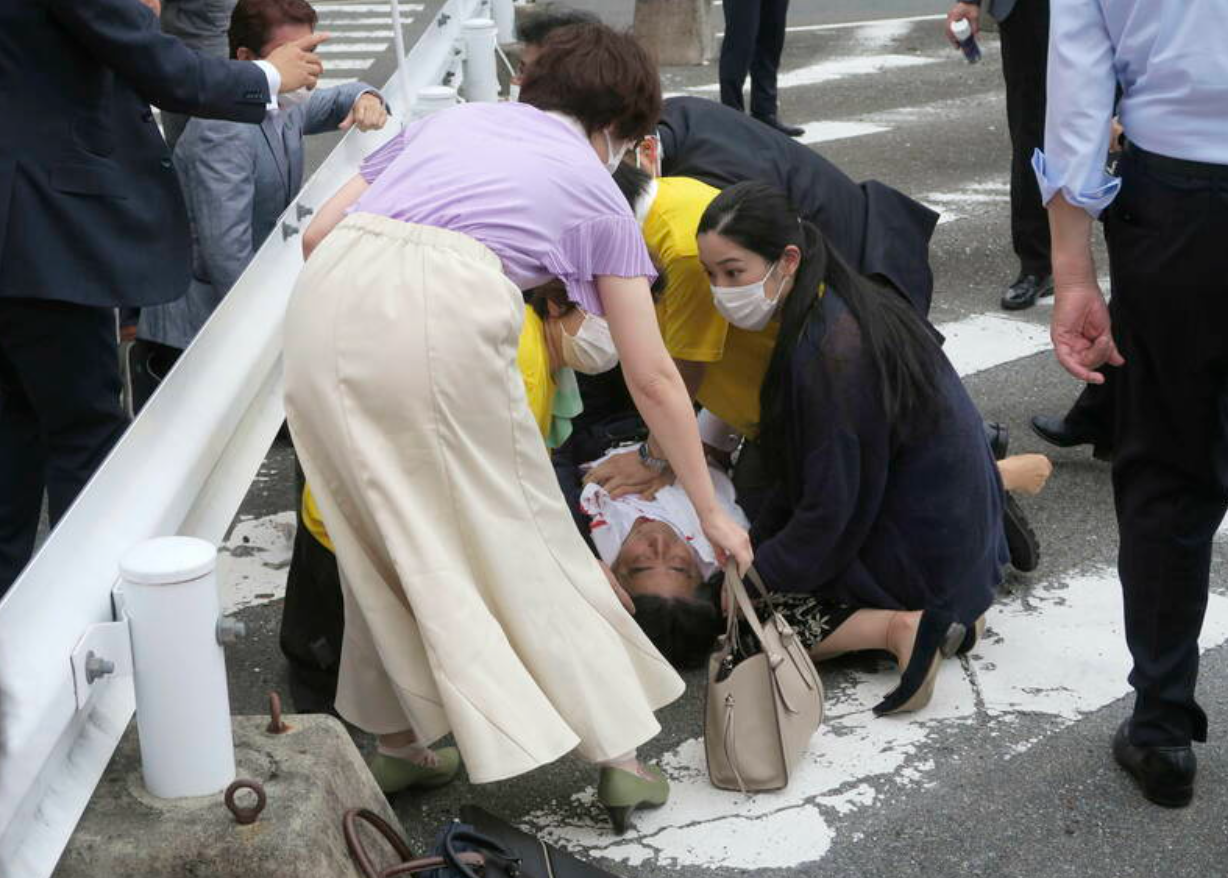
pixel 472 604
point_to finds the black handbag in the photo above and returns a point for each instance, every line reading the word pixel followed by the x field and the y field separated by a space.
pixel 537 859
pixel 480 845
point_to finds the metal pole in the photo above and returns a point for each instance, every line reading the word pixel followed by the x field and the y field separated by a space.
pixel 431 99
pixel 481 76
pixel 398 37
pixel 505 20
pixel 179 669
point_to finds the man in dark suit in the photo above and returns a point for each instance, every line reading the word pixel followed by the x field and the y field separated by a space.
pixel 753 42
pixel 1023 26
pixel 91 219
pixel 878 230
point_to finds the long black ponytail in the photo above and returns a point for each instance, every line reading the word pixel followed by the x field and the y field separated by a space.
pixel 759 218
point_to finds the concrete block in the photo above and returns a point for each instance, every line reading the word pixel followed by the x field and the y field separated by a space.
pixel 311 775
pixel 676 32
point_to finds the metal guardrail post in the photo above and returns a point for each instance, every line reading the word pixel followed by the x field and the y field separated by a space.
pixel 481 75
pixel 179 667
pixel 505 20
pixel 431 99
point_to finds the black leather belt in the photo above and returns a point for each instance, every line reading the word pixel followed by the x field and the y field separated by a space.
pixel 1182 167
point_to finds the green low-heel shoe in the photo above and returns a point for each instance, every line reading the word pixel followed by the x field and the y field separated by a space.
pixel 397 775
pixel 622 793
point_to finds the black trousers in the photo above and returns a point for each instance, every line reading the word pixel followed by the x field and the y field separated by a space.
pixel 1169 266
pixel 754 40
pixel 1025 55
pixel 312 618
pixel 59 413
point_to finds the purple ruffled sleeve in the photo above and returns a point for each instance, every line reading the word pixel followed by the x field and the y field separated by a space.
pixel 608 245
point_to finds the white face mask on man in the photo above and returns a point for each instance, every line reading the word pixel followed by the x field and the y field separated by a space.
pixel 614 157
pixel 747 307
pixel 591 350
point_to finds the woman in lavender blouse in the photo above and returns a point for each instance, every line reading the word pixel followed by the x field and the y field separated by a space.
pixel 472 604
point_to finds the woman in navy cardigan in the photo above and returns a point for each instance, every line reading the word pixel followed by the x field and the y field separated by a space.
pixel 884 528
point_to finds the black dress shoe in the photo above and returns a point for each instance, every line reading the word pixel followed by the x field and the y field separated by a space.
pixel 1164 774
pixel 1057 432
pixel 1024 292
pixel 999 439
pixel 774 122
pixel 1021 540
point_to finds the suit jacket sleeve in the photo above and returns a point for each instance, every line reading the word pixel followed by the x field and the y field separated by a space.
pixel 219 163
pixel 123 35
pixel 328 107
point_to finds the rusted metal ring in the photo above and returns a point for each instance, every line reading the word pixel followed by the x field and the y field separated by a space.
pixel 245 815
pixel 275 726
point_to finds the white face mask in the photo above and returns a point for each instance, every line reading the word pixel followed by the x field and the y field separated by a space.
pixel 591 350
pixel 289 99
pixel 747 307
pixel 513 93
pixel 614 157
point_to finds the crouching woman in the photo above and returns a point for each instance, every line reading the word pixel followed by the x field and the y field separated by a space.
pixel 886 515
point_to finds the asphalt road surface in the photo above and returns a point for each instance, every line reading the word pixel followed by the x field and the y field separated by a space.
pixel 1008 772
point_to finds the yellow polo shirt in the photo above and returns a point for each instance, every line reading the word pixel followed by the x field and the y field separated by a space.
pixel 534 363
pixel 690 324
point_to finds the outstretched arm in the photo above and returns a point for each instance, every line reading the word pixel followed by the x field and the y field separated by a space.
pixel 124 36
pixel 332 213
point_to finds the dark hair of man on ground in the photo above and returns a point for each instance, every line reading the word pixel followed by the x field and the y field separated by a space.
pixel 534 27
pixel 684 630
pixel 759 218
pixel 597 75
pixel 632 182
pixel 252 22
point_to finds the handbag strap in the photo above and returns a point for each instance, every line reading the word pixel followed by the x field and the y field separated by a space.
pixel 358 849
pixel 741 602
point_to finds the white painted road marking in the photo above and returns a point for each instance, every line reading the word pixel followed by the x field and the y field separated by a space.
pixel 986 340
pixel 839 68
pixel 339 47
pixel 1056 658
pixel 960 203
pixel 332 8
pixel 252 564
pixel 823 132
pixel 843 25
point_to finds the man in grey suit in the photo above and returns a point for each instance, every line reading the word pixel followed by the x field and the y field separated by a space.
pixel 238 179
pixel 201 24
pixel 1023 26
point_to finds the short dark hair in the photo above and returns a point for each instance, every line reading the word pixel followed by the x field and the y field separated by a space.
pixel 632 182
pixel 534 27
pixel 253 20
pixel 552 290
pixel 600 76
pixel 683 629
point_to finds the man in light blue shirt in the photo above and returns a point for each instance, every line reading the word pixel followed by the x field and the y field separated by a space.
pixel 1166 223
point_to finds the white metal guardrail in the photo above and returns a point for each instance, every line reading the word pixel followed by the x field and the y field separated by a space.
pixel 183 467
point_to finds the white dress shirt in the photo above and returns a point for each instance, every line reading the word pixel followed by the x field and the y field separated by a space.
pixel 1171 58
pixel 611 520
pixel 274 77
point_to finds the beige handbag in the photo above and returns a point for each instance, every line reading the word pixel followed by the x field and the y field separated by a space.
pixel 765 701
